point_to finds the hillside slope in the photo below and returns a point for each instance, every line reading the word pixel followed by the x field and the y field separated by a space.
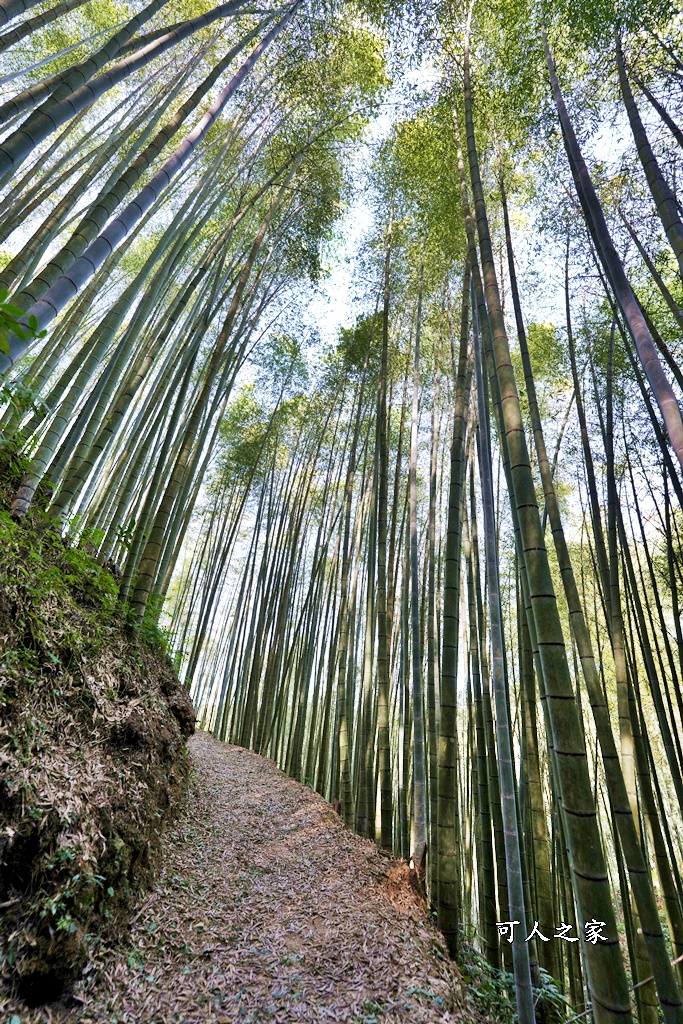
pixel 93 724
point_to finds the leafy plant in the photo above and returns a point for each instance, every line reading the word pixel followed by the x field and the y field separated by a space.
pixel 494 991
pixel 149 630
pixel 11 322
pixel 126 533
pixel 22 398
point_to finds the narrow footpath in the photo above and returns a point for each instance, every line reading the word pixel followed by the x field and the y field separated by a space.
pixel 268 909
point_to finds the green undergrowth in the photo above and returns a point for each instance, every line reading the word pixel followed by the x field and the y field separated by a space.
pixel 492 991
pixel 93 725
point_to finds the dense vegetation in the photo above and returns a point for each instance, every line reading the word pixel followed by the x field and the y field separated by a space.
pixel 432 566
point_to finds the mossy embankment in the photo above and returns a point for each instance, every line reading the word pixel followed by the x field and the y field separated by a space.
pixel 93 724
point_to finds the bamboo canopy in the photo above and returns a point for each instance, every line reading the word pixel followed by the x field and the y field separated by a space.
pixel 425 554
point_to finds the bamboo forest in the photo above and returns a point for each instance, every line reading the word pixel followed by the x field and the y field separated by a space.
pixel 341 511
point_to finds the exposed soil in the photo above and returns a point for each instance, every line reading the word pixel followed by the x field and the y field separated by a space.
pixel 93 761
pixel 92 766
pixel 268 909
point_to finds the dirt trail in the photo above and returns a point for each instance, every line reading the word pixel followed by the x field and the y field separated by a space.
pixel 268 909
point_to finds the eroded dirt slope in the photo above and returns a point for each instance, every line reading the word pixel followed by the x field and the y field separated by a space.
pixel 269 909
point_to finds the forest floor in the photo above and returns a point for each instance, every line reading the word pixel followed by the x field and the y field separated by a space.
pixel 267 909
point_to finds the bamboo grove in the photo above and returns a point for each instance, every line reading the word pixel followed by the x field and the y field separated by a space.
pixel 432 568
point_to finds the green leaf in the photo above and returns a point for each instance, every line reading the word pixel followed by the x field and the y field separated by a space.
pixel 7 307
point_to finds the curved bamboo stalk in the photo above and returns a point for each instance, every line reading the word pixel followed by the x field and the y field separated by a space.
pixel 513 863
pixel 39 126
pixel 624 807
pixel 419 851
pixel 59 86
pixel 118 187
pixel 385 787
pixel 665 201
pixel 11 8
pixel 70 284
pixel 605 969
pixel 448 900
pixel 32 25
pixel 614 269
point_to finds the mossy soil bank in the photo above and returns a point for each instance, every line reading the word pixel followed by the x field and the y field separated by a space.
pixel 93 725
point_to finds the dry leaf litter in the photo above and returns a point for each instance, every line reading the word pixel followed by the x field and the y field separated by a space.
pixel 268 909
